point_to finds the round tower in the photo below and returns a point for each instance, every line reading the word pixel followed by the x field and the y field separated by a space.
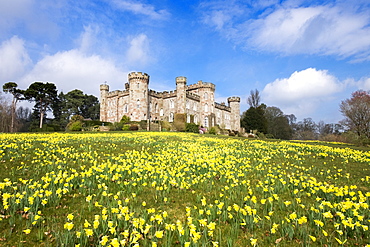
pixel 234 104
pixel 139 96
pixel 181 94
pixel 104 89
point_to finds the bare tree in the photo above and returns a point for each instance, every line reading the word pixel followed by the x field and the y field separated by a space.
pixel 254 99
pixel 356 111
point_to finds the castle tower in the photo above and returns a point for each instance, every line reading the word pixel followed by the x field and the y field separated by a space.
pixel 181 93
pixel 104 89
pixel 207 101
pixel 139 96
pixel 234 104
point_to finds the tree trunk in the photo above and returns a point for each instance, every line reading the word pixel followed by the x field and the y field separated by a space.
pixel 41 114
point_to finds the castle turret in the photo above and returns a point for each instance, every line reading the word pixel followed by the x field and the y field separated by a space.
pixel 234 104
pixel 104 89
pixel 139 96
pixel 181 93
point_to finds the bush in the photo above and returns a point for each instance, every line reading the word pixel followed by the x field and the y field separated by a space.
pixel 231 133
pixel 165 125
pixel 212 131
pixel 75 126
pixel 134 127
pixel 143 124
pixel 125 119
pixel 116 126
pixel 192 127
pixel 126 127
pixel 179 121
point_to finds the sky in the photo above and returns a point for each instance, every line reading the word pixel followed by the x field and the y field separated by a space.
pixel 304 57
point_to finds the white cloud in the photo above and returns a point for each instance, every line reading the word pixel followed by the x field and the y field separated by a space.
pixel 335 29
pixel 364 83
pixel 140 8
pixel 73 69
pixel 138 52
pixel 14 59
pixel 302 92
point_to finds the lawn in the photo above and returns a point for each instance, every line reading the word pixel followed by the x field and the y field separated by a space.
pixel 180 189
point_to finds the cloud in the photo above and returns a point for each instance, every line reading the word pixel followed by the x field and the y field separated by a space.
pixel 73 69
pixel 142 9
pixel 14 59
pixel 138 52
pixel 364 83
pixel 332 29
pixel 302 92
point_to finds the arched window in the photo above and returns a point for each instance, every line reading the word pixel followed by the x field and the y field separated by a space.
pixel 187 104
pixel 188 118
pixel 137 85
pixel 138 103
pixel 205 95
pixel 156 108
pixel 171 118
pixel 172 104
pixel 195 119
pixel 206 108
pixel 195 106
pixel 206 122
pixel 161 112
pixel 126 108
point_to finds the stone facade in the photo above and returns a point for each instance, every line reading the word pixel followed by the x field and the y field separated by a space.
pixel 140 103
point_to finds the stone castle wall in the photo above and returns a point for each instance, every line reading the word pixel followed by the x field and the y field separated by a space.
pixel 196 100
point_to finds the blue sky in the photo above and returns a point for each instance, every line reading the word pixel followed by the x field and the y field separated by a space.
pixel 303 56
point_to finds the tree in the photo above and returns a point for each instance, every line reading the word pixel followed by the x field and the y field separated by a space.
pixel 11 87
pixel 254 99
pixel 5 114
pixel 306 130
pixel 278 123
pixel 254 119
pixel 44 94
pixel 356 111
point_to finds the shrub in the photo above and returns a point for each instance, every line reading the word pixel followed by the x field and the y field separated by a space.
pixel 231 133
pixel 212 131
pixel 179 121
pixel 165 125
pixel 126 127
pixel 125 119
pixel 134 127
pixel 143 124
pixel 192 127
pixel 75 126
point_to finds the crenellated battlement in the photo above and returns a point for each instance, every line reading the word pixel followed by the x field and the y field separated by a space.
pixel 233 99
pixel 192 96
pixel 181 79
pixel 138 75
pixel 202 84
pixel 104 87
pixel 222 106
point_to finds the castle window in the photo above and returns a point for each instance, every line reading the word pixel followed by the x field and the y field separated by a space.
pixel 171 118
pixel 205 95
pixel 126 108
pixel 195 106
pixel 156 108
pixel 195 119
pixel 161 112
pixel 206 108
pixel 187 104
pixel 138 104
pixel 172 104
pixel 188 118
pixel 137 85
pixel 206 122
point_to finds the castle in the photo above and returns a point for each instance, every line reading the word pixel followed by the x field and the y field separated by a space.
pixel 138 102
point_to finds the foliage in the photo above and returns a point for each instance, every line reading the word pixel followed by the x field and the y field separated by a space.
pixel 306 130
pixel 177 189
pixel 356 111
pixel 125 119
pixel 11 87
pixel 165 125
pixel 192 127
pixel 76 123
pixel 254 118
pixel 44 95
pixel 126 127
pixel 212 131
pixel 277 124
pixel 180 121
pixel 5 115
pixel 134 127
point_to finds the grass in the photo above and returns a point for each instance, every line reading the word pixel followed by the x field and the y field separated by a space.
pixel 177 189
